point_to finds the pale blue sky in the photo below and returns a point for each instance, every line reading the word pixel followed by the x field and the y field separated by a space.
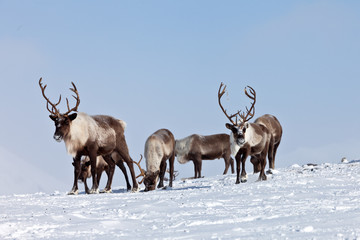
pixel 158 64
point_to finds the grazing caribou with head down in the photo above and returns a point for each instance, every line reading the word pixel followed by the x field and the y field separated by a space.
pixel 85 170
pixel 101 166
pixel 197 148
pixel 159 147
pixel 92 136
pixel 247 138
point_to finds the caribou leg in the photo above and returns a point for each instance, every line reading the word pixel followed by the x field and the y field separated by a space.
pixel 243 170
pixel 238 159
pixel 162 174
pixel 121 165
pixel 95 187
pixel 256 164
pixel 76 163
pixel 111 171
pixel 171 163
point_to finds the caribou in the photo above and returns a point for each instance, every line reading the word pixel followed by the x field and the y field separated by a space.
pixel 159 147
pixel 85 135
pixel 101 166
pixel 197 148
pixel 275 128
pixel 251 139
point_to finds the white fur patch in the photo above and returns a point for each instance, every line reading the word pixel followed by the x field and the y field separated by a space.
pixel 233 145
pixel 244 178
pixel 79 132
pixel 251 137
pixel 153 154
pixel 182 159
pixel 182 148
pixel 122 123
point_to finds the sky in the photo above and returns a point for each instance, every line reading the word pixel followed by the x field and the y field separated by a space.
pixel 159 64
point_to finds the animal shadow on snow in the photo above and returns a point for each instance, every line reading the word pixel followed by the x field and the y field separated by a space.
pixel 120 190
pixel 354 161
pixel 192 187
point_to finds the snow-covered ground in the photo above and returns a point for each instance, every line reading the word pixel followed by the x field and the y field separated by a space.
pixel 311 202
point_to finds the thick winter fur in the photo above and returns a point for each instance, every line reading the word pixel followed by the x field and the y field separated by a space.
pixel 274 126
pixel 93 136
pixel 159 148
pixel 250 139
pixel 197 148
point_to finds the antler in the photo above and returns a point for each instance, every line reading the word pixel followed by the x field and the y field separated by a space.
pixel 176 173
pixel 77 98
pixel 54 110
pixel 249 113
pixel 220 94
pixel 142 171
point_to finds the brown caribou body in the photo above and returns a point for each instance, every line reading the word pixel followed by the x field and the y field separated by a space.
pixel 197 148
pixel 159 147
pixel 92 136
pixel 101 166
pixel 251 139
pixel 274 126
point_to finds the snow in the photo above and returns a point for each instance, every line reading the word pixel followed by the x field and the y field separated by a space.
pixel 297 202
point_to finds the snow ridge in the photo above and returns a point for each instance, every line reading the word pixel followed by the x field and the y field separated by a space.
pixel 298 202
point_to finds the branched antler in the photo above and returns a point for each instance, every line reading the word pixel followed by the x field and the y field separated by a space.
pixel 54 110
pixel 249 112
pixel 77 98
pixel 142 171
pixel 220 94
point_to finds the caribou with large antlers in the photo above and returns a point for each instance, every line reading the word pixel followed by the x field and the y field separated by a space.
pixel 257 139
pixel 92 136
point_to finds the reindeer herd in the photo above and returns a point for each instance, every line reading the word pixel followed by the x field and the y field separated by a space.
pixel 97 143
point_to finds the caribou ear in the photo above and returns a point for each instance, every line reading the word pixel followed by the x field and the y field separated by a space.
pixel 52 117
pixel 72 116
pixel 232 128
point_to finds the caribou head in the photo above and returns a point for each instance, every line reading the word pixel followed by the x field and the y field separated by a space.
pixel 238 128
pixel 62 120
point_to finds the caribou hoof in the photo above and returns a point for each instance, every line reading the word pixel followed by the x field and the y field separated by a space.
pixel 270 171
pixel 263 178
pixel 72 192
pixel 94 191
pixel 134 190
pixel 106 191
pixel 244 179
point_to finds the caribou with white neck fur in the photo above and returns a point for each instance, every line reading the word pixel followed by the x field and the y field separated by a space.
pixel 252 139
pixel 92 136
